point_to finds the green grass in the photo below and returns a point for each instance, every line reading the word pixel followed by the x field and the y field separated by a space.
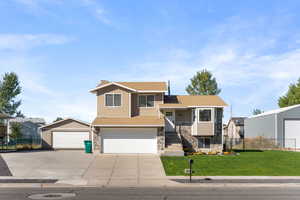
pixel 266 163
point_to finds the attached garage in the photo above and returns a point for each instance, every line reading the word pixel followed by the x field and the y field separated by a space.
pixel 66 134
pixel 129 140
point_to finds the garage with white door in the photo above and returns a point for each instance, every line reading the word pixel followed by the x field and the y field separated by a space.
pixel 292 131
pixel 65 134
pixel 129 140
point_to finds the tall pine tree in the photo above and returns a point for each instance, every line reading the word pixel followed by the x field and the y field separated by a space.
pixel 9 90
pixel 203 83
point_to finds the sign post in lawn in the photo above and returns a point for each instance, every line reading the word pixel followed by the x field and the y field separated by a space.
pixel 189 171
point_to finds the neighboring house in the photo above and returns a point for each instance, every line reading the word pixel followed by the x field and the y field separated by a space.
pixel 65 134
pixel 137 117
pixel 282 125
pixel 29 126
pixel 234 128
pixel 3 125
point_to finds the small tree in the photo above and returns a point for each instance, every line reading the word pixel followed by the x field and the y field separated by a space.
pixel 257 111
pixel 15 130
pixel 58 119
pixel 292 97
pixel 203 83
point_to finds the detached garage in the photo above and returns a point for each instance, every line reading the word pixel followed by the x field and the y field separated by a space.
pixel 65 134
pixel 282 124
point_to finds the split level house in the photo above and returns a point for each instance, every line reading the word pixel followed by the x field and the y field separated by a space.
pixel 142 117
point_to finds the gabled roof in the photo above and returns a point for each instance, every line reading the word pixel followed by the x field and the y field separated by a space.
pixel 185 101
pixel 135 86
pixel 60 121
pixel 276 111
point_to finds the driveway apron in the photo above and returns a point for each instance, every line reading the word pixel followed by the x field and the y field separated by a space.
pixel 124 169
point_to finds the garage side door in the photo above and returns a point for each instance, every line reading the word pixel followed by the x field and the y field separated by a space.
pixel 69 140
pixel 292 131
pixel 129 140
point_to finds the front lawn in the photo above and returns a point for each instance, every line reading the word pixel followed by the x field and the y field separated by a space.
pixel 264 163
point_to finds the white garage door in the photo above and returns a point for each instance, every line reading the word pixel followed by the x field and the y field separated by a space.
pixel 292 131
pixel 129 140
pixel 69 140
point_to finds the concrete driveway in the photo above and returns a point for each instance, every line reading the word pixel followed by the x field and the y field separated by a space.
pixel 75 165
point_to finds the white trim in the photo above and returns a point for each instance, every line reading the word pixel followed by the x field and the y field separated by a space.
pixel 276 131
pixel 119 125
pixel 71 129
pixel 112 83
pixel 206 106
pixel 113 100
pixel 280 110
pixel 88 124
pixel 138 100
pixel 173 108
pixel 129 107
pixel 151 91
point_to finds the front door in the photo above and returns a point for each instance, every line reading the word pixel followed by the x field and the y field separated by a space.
pixel 170 121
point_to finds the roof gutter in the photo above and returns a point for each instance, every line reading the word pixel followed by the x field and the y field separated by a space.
pixel 120 125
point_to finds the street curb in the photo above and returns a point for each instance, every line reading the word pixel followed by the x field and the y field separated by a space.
pixel 172 185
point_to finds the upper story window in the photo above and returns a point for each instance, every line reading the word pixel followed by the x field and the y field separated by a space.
pixel 146 100
pixel 205 115
pixel 113 100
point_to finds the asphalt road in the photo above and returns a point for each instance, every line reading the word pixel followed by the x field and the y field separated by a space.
pixel 259 193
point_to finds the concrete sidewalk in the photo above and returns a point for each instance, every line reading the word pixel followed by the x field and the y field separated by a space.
pixel 124 182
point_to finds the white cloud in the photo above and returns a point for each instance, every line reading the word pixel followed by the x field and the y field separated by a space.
pixel 101 15
pixel 27 41
pixel 97 11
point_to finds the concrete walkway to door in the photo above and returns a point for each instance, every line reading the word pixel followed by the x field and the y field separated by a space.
pixel 125 170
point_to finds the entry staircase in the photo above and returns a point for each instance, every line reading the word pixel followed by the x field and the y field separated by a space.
pixel 173 144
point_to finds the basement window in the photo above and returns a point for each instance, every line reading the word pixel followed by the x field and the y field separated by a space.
pixel 204 143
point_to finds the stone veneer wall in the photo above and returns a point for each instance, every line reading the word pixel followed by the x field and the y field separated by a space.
pixel 96 140
pixel 160 140
pixel 191 142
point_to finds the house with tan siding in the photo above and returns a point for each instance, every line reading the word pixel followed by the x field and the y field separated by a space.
pixel 139 117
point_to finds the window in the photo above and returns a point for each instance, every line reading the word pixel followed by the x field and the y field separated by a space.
pixel 113 100
pixel 205 115
pixel 204 143
pixel 146 101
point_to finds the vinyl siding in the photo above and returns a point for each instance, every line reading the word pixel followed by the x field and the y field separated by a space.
pixel 121 111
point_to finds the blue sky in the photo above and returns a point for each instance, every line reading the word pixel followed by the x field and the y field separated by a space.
pixel 62 48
